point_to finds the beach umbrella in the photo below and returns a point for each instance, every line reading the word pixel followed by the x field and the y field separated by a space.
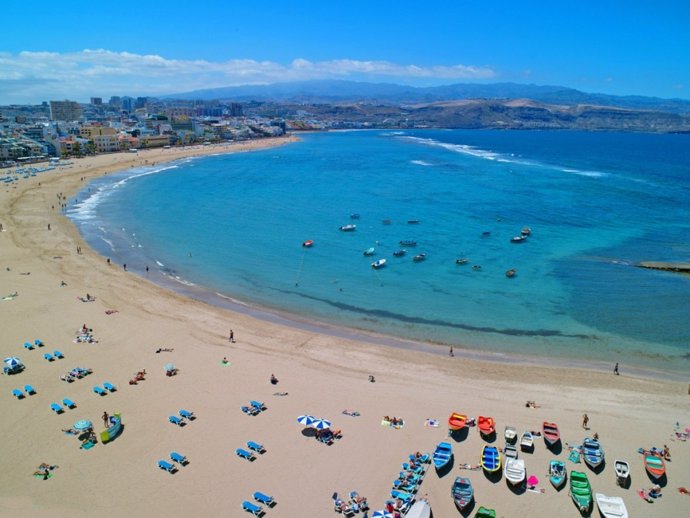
pixel 382 514
pixel 83 425
pixel 13 363
pixel 321 424
pixel 306 420
pixel 168 367
pixel 532 481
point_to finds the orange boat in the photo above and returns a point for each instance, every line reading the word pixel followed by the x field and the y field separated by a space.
pixel 550 433
pixel 654 464
pixel 456 421
pixel 486 425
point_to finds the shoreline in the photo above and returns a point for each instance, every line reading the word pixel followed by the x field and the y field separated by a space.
pixel 322 373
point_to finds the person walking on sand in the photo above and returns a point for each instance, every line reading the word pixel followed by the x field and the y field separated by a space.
pixel 585 421
pixel 105 419
pixel 231 336
pixel 450 352
pixel 615 369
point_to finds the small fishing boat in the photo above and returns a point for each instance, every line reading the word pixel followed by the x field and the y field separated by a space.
pixel 442 454
pixel 308 243
pixel 622 469
pixel 419 258
pixel 378 264
pixel 592 453
pixel 557 473
pixel 526 231
pixel 456 421
pixel 611 506
pixel 369 251
pixel 518 239
pixel 491 459
pixel 462 260
pixel 527 441
pixel 486 233
pixel 580 490
pixel 407 242
pixel 486 425
pixel 412 221
pixel 514 471
pixel 348 228
pixel 510 451
pixel 354 216
pixel 654 465
pixel 476 267
pixel 462 492
pixel 510 434
pixel 387 222
pixel 399 253
pixel 511 273
pixel 551 433
pixel 483 512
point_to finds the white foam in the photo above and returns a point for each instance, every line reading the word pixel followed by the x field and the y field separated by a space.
pixel 421 162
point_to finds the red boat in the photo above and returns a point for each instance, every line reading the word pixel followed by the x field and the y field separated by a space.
pixel 654 464
pixel 486 425
pixel 456 421
pixel 308 243
pixel 550 433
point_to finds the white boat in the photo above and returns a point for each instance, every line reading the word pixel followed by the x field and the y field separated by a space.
pixel 510 433
pixel 420 509
pixel 611 506
pixel 515 471
pixel 369 251
pixel 348 228
pixel 527 441
pixel 518 239
pixel 378 264
pixel 622 469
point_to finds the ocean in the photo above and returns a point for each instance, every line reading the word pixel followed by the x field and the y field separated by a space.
pixel 231 227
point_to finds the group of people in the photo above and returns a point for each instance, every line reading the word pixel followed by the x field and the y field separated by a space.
pixel 139 376
pixel 76 373
pixel 44 470
pixel 393 421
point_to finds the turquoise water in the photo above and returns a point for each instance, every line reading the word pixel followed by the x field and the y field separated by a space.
pixel 596 203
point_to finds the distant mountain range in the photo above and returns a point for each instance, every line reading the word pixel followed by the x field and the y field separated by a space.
pixel 349 92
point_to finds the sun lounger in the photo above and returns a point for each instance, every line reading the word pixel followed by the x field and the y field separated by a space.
pixel 256 510
pixel 402 495
pixel 48 357
pixel 18 393
pixel 58 354
pixel 38 343
pixel 99 390
pixel 176 420
pixel 29 390
pixel 187 414
pixel 170 468
pixel 179 458
pixel 109 386
pixel 56 408
pixel 249 410
pixel 264 499
pixel 28 345
pixel 69 403
pixel 256 447
pixel 244 454
pixel 258 405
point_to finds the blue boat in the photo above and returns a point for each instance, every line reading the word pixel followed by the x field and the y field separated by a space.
pixel 491 459
pixel 462 492
pixel 442 455
pixel 592 453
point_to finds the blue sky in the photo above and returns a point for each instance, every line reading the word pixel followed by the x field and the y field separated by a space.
pixel 53 50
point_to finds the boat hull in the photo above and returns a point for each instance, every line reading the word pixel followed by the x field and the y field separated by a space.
pixel 456 422
pixel 655 466
pixel 491 459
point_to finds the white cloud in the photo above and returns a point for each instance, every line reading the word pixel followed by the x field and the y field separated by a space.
pixel 30 77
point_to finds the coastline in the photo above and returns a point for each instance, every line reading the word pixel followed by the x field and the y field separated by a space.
pixel 322 373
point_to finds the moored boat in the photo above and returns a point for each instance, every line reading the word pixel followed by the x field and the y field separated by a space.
pixel 592 453
pixel 486 425
pixel 511 273
pixel 462 260
pixel 526 441
pixel 348 228
pixel 654 465
pixel 462 492
pixel 354 216
pixel 526 231
pixel 412 221
pixel 399 253
pixel 378 264
pixel 580 490
pixel 369 251
pixel 419 258
pixel 442 454
pixel 622 469
pixel 387 222
pixel 491 459
pixel 551 433
pixel 477 267
pixel 557 473
pixel 514 471
pixel 611 506
pixel 407 242
pixel 518 239
pixel 308 243
pixel 456 421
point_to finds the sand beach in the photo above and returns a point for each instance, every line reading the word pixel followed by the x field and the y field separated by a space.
pixel 318 374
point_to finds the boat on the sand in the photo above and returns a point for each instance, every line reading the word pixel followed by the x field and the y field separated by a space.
pixel 550 432
pixel 557 473
pixel 611 506
pixel 491 459
pixel 462 492
pixel 580 491
pixel 456 421
pixel 442 454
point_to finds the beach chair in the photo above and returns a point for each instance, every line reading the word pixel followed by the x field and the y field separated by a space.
pixel 28 345
pixel 58 354
pixel 18 393
pixel 56 408
pixel 69 403
pixel 249 410
pixel 176 420
pixel 109 386
pixel 263 499
pixel 99 390
pixel 179 458
pixel 258 448
pixel 170 468
pixel 49 357
pixel 258 405
pixel 38 343
pixel 245 454
pixel 256 510
pixel 29 390
pixel 187 414
pixel 404 485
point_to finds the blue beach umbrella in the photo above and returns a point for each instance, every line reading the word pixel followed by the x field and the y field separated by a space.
pixel 382 514
pixel 306 420
pixel 83 425
pixel 13 363
pixel 321 424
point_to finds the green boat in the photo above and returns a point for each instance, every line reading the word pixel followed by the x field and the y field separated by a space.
pixel 483 512
pixel 580 491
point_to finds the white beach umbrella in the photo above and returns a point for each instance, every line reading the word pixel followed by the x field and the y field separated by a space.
pixel 321 424
pixel 382 514
pixel 13 362
pixel 306 420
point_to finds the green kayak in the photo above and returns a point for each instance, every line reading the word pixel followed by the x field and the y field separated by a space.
pixel 580 491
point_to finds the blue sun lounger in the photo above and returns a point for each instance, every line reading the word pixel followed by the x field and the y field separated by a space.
pixel 48 357
pixel 109 386
pixel 58 354
pixel 18 393
pixel 258 448
pixel 264 499
pixel 29 390
pixel 179 458
pixel 56 408
pixel 254 509
pixel 244 454
pixel 100 391
pixel 176 420
pixel 28 345
pixel 187 414
pixel 258 405
pixel 250 410
pixel 38 343
pixel 170 468
pixel 69 403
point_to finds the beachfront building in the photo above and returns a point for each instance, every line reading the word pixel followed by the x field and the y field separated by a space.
pixel 106 143
pixel 65 110
pixel 89 132
pixel 154 141
pixel 20 146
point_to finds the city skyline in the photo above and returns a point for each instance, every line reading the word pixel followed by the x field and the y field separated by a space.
pixel 179 46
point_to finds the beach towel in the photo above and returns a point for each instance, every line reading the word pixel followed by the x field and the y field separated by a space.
pixel 352 413
pixel 43 477
pixel 88 445
pixel 396 426
pixel 224 364
pixel 431 422
pixel 574 456
pixel 10 296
